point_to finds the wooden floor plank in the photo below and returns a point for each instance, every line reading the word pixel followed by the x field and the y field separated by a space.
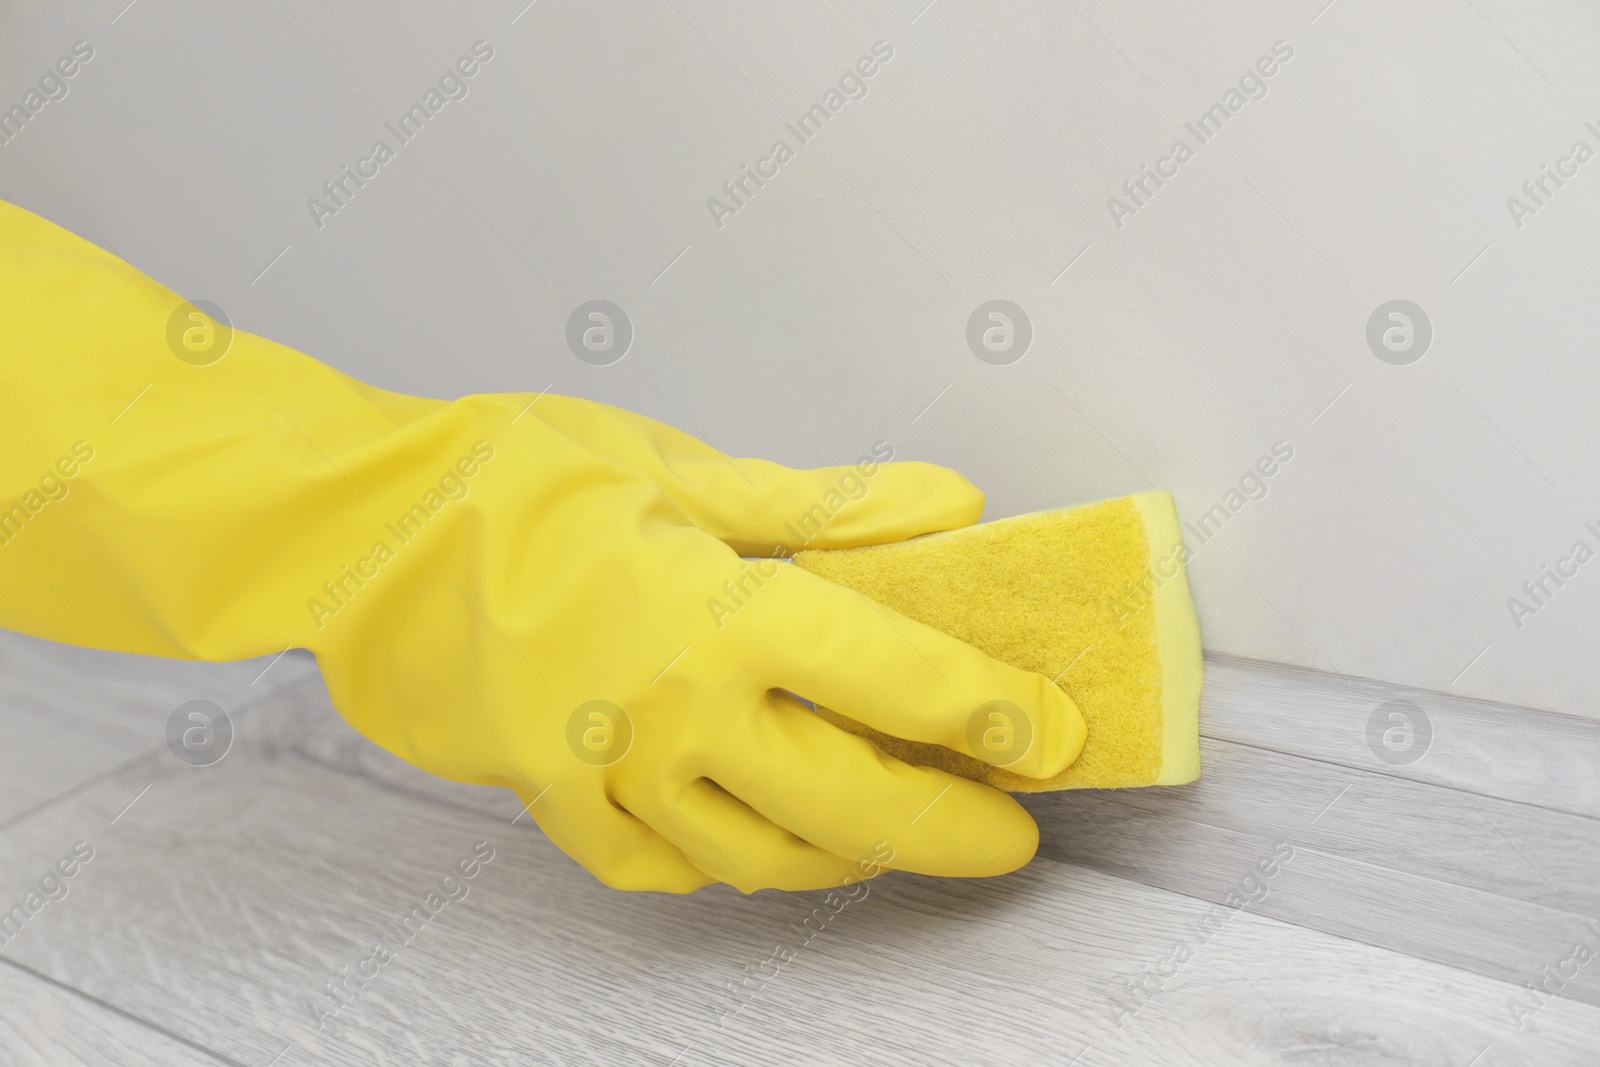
pixel 68 714
pixel 1468 880
pixel 1525 852
pixel 224 902
pixel 1521 754
pixel 44 1025
pixel 1464 928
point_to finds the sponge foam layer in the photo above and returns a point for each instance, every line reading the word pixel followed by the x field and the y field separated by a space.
pixel 1094 596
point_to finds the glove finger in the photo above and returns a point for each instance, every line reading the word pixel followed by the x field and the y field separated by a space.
pixel 611 844
pixel 834 646
pixel 725 838
pixel 843 795
pixel 762 508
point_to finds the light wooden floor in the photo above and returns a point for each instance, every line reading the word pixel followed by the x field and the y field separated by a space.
pixel 1402 910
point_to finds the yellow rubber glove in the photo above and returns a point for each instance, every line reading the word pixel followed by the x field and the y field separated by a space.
pixel 535 592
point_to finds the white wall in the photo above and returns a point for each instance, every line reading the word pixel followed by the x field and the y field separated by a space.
pixel 1221 318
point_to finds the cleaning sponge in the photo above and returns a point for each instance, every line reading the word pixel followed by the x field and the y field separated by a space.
pixel 1093 596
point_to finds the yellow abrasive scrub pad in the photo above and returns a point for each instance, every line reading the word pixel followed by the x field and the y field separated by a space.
pixel 1094 596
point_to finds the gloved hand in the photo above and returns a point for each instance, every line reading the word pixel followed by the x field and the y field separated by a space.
pixel 529 591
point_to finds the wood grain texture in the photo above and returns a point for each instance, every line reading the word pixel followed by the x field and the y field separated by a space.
pixel 1420 916
pixel 68 714
pixel 1520 851
pixel 44 1025
pixel 220 906
pixel 1522 754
